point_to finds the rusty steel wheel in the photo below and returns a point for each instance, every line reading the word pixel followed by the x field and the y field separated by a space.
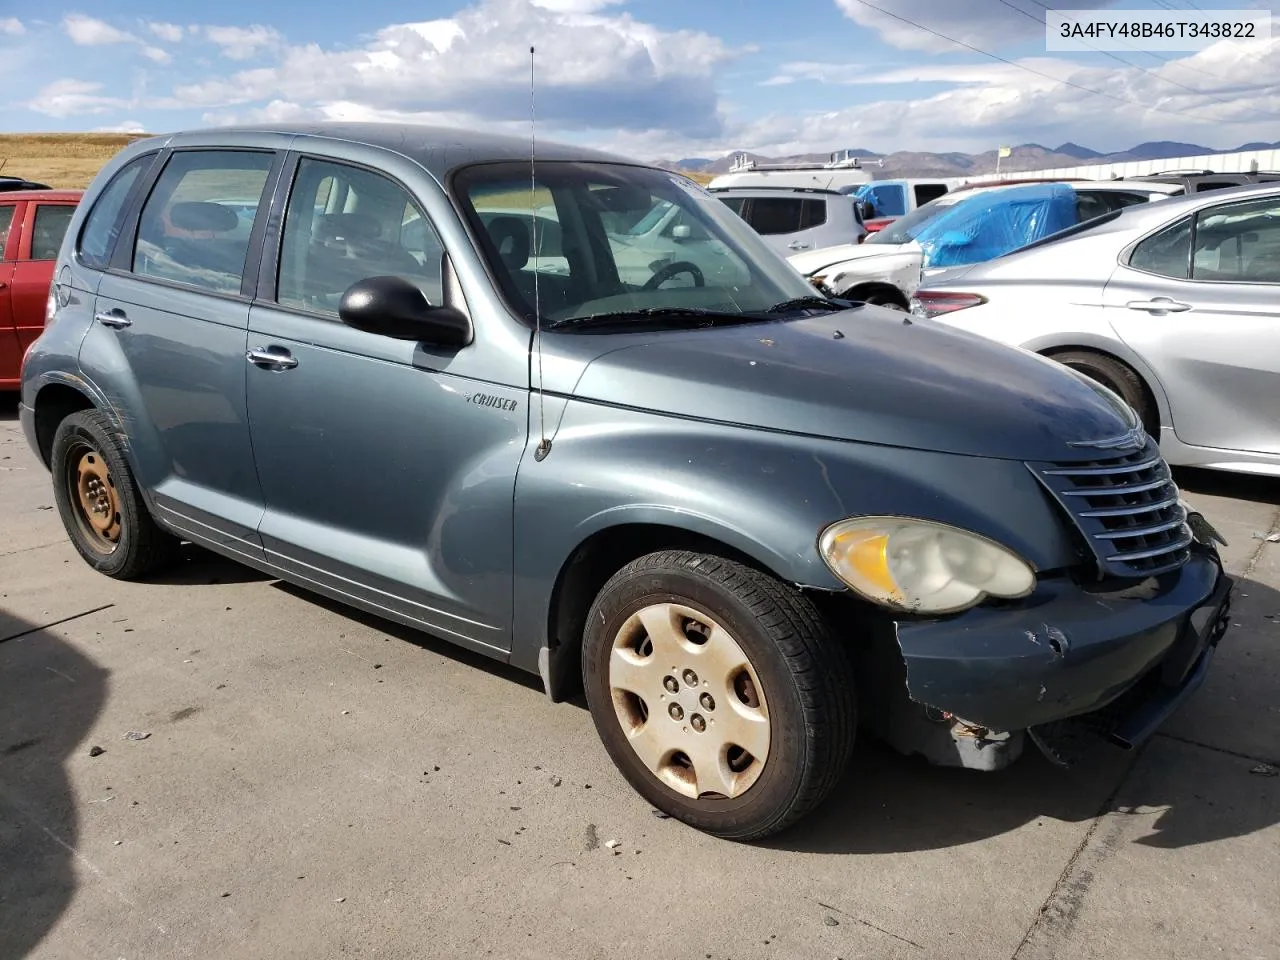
pixel 98 499
pixel 689 701
pixel 96 496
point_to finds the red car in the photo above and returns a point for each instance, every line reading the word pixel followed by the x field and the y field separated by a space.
pixel 32 224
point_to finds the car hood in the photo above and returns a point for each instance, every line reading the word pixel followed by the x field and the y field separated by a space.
pixel 815 260
pixel 866 374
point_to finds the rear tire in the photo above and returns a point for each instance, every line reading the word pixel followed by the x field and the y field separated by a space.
pixel 880 299
pixel 99 501
pixel 718 693
pixel 1116 376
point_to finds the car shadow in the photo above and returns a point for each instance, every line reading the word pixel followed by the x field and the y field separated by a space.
pixel 196 566
pixel 1236 486
pixel 418 638
pixel 50 697
pixel 889 803
pixel 8 406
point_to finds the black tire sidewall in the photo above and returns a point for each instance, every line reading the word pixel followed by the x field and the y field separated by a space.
pixel 1115 376
pixel 780 780
pixel 85 428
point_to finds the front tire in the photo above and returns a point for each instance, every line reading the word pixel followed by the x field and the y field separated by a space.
pixel 1117 377
pixel 718 693
pixel 99 501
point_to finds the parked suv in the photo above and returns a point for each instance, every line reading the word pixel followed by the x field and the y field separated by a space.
pixel 1198 181
pixel 746 521
pixel 792 219
pixel 32 224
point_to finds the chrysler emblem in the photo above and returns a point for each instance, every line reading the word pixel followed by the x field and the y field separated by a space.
pixel 1135 439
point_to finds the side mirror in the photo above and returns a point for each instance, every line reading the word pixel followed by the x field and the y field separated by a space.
pixel 867 209
pixel 681 232
pixel 394 307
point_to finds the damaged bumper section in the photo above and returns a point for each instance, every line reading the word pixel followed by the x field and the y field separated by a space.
pixel 1067 667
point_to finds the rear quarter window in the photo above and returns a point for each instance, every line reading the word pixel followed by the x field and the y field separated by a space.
pixel 103 224
pixel 1167 253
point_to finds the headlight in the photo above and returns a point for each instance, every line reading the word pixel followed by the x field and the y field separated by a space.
pixel 919 566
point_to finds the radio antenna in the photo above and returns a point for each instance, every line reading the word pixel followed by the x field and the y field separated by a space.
pixel 544 442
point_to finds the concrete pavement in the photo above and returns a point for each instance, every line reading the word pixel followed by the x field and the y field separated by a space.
pixel 320 784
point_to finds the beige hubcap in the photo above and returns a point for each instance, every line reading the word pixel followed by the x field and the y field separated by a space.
pixel 99 504
pixel 689 701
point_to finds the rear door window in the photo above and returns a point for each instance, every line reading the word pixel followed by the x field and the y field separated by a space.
pixel 775 215
pixel 1204 185
pixel 6 219
pixel 925 192
pixel 1238 243
pixel 194 228
pixel 813 213
pixel 50 226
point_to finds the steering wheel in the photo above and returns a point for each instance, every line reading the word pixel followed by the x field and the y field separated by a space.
pixel 675 269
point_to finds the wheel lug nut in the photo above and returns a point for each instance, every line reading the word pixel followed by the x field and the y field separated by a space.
pixel 676 711
pixel 708 702
pixel 671 684
pixel 690 677
pixel 697 722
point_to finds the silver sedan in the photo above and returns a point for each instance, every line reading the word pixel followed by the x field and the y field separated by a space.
pixel 1174 305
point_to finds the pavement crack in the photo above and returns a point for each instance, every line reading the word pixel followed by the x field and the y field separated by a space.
pixel 1262 545
pixel 1208 746
pixel 1064 901
pixel 38 546
pixel 865 923
pixel 74 616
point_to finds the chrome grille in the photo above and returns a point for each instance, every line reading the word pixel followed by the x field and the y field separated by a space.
pixel 1128 509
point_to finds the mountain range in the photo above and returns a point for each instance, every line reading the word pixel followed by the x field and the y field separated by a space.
pixel 1026 156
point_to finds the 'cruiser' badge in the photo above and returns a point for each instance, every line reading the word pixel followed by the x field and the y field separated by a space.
pixel 489 400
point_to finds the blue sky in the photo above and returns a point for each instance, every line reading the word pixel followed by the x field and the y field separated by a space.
pixel 653 78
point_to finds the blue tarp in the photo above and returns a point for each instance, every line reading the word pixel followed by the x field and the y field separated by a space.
pixel 995 222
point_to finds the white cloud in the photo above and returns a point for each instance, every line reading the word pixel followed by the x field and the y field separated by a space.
pixel 999 103
pixel 156 55
pixel 594 70
pixel 242 43
pixel 169 32
pixel 91 32
pixel 575 6
pixel 68 97
pixel 12 26
pixel 126 126
pixel 980 23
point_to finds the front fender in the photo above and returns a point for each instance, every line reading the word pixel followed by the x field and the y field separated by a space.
pixel 765 494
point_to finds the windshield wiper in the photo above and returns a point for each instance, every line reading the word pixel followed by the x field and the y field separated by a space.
pixel 703 317
pixel 806 303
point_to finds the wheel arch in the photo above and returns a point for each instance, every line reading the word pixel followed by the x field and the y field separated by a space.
pixel 601 554
pixel 1115 350
pixel 54 402
pixel 862 289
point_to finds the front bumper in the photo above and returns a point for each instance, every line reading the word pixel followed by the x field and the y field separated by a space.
pixel 1066 652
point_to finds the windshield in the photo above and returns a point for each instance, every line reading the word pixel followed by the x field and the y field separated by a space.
pixel 614 238
pixel 904 229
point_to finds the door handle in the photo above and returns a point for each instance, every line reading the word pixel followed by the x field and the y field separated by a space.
pixel 797 245
pixel 113 318
pixel 1158 305
pixel 275 357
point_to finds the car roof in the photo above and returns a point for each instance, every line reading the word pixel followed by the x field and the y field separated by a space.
pixel 55 195
pixel 439 149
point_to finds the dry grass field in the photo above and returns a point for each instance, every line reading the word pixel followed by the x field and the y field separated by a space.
pixel 59 159
pixel 69 160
